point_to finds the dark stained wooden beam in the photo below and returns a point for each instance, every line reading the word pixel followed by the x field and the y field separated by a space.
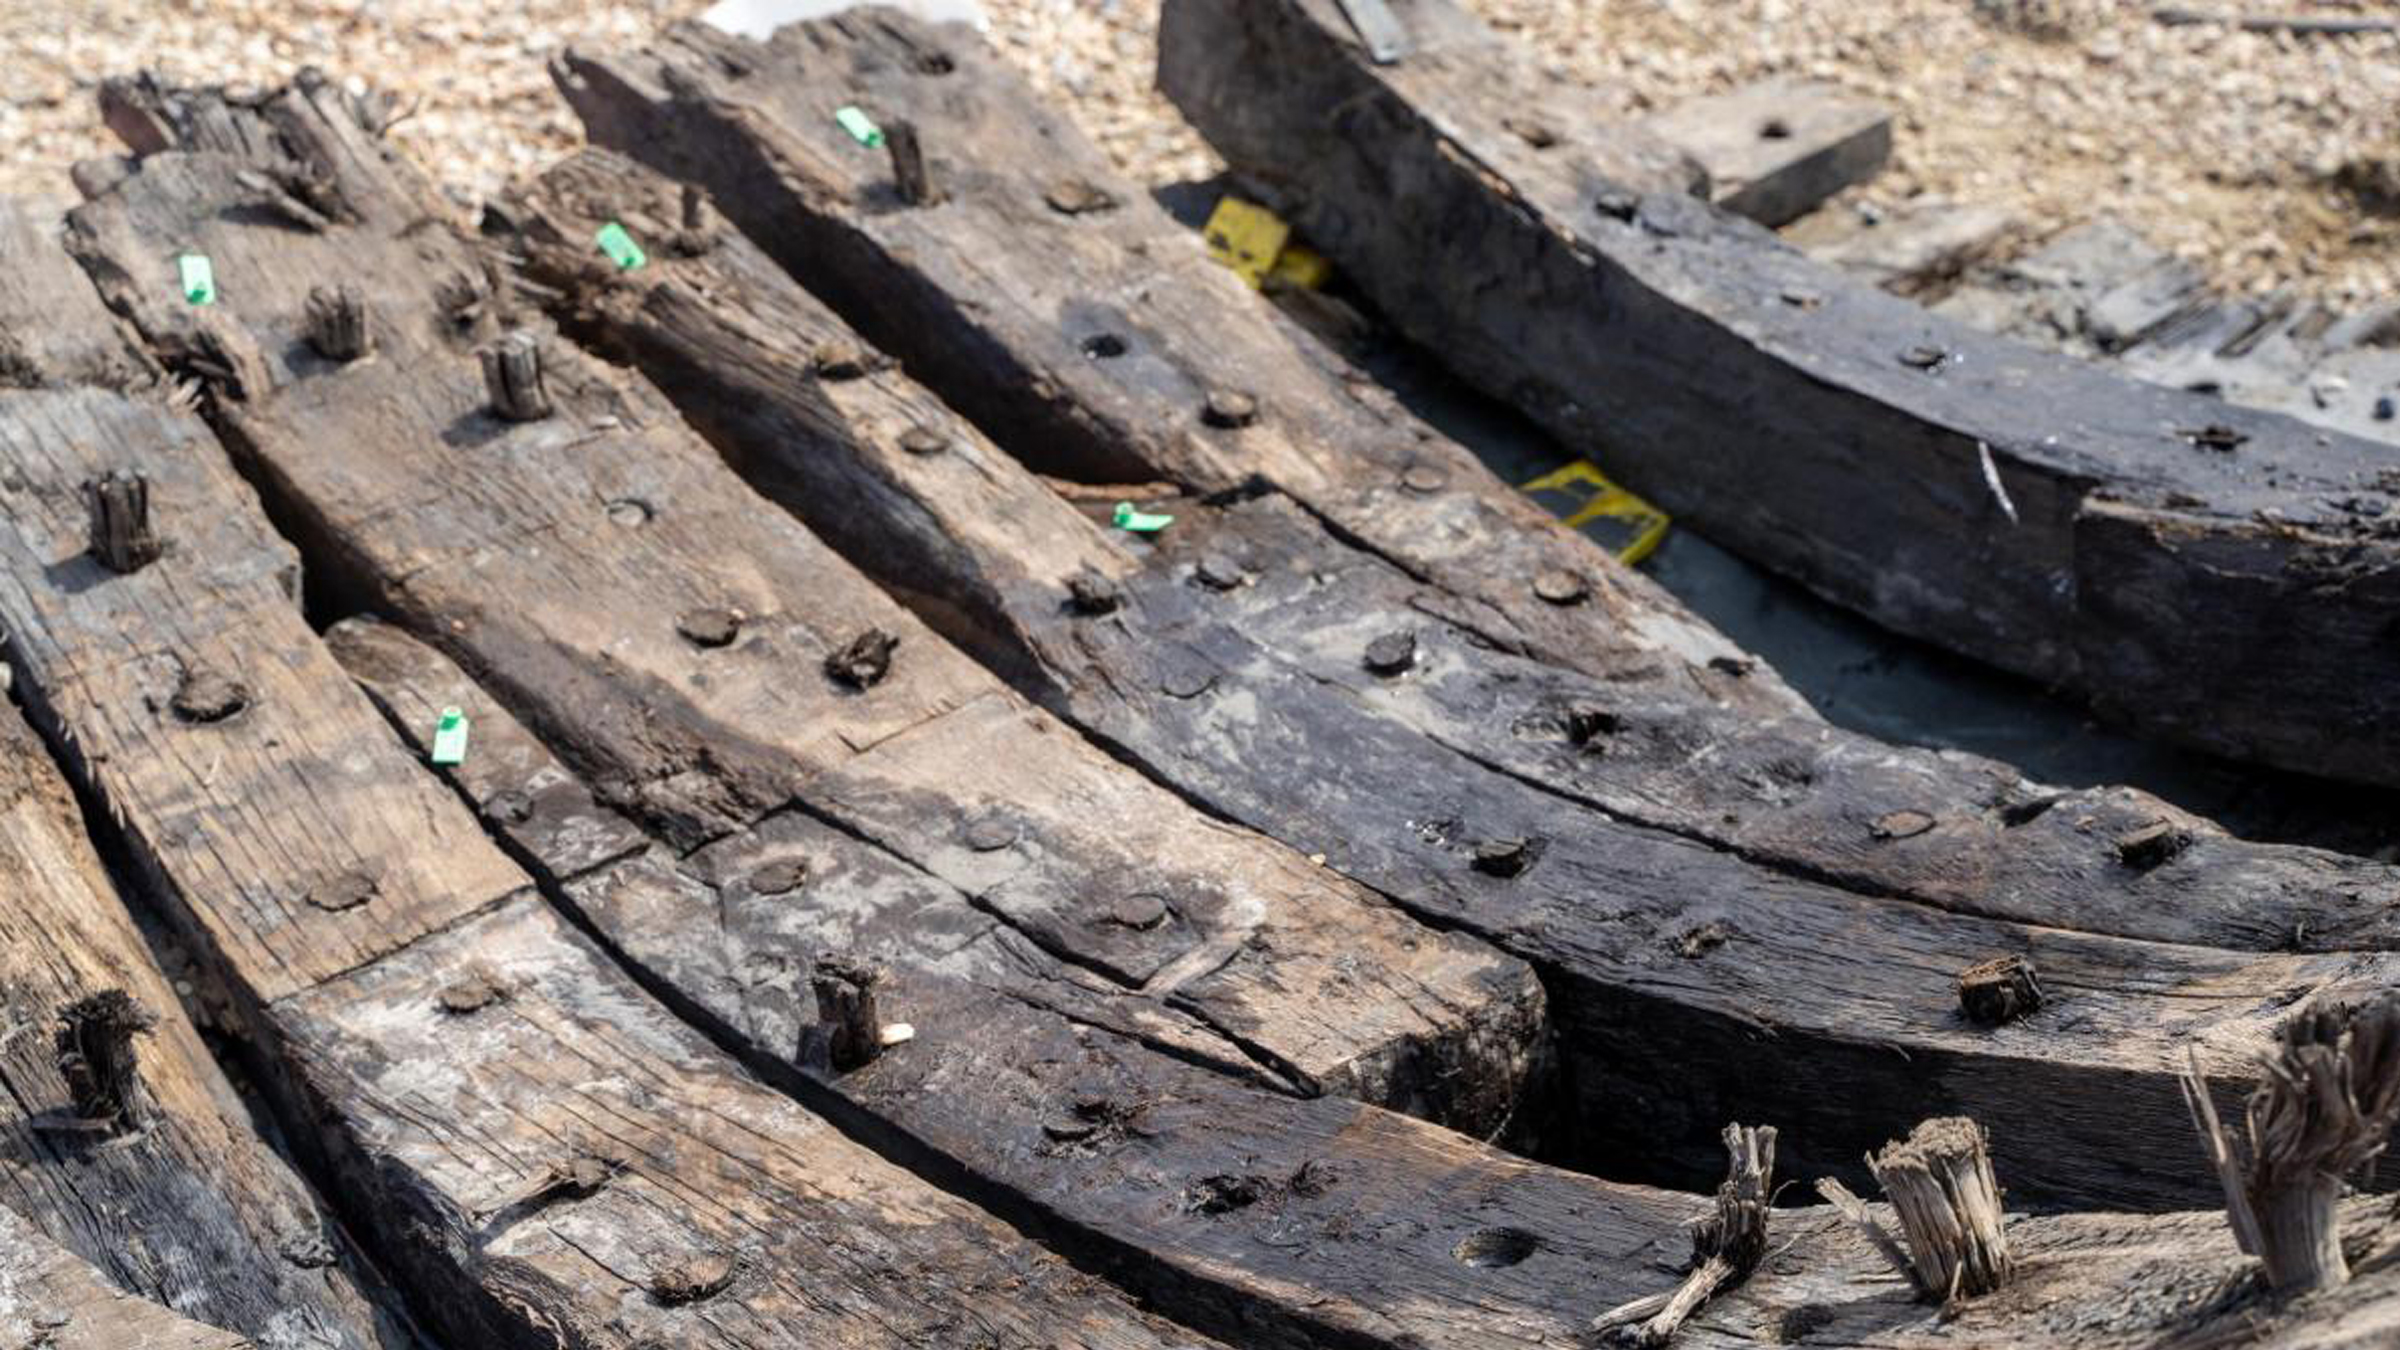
pixel 627 593
pixel 971 292
pixel 1235 638
pixel 2206 574
pixel 1102 336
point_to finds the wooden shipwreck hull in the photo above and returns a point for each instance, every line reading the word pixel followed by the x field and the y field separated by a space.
pixel 883 905
pixel 1699 883
pixel 2202 572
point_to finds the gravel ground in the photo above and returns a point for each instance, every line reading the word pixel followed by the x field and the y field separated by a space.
pixel 2269 159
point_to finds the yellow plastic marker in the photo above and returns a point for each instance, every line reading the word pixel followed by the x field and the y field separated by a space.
pixel 1246 237
pixel 1301 266
pixel 1580 495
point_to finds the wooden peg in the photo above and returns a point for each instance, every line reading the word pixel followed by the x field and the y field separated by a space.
pixel 337 322
pixel 95 1055
pixel 910 174
pixel 845 991
pixel 120 521
pixel 512 371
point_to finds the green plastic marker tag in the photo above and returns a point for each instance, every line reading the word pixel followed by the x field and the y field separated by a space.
pixel 861 127
pixel 619 246
pixel 1140 522
pixel 199 279
pixel 450 738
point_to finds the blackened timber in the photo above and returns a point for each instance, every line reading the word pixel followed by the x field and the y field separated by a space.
pixel 1233 640
pixel 987 277
pixel 570 561
pixel 2216 594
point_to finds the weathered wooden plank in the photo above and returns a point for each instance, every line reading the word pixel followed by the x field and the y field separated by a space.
pixel 1280 1221
pixel 55 1300
pixel 1914 249
pixel 174 1199
pixel 1096 341
pixel 1852 427
pixel 614 580
pixel 988 559
pixel 1234 640
pixel 1776 149
pixel 982 253
pixel 546 1154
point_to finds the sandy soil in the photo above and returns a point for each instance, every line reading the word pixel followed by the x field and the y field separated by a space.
pixel 2270 159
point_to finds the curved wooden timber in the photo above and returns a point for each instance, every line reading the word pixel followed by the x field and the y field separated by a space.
pixel 126 1145
pixel 1318 1221
pixel 1401 1234
pixel 711 661
pixel 2205 573
pixel 543 1153
pixel 989 297
pixel 1226 656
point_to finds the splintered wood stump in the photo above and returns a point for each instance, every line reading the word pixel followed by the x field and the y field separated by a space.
pixel 971 298
pixel 1940 1182
pixel 2327 1108
pixel 1228 644
pixel 512 374
pixel 121 537
pixel 337 322
pixel 2166 572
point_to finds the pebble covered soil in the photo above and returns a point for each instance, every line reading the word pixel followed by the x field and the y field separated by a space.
pixel 2269 158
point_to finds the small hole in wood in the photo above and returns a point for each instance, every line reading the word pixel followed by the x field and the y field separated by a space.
pixel 935 63
pixel 1775 129
pixel 1493 1248
pixel 1103 346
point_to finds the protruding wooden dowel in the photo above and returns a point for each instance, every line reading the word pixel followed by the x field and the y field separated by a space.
pixel 337 322
pixel 845 991
pixel 1998 991
pixel 1941 1185
pixel 512 371
pixel 96 1057
pixel 2329 1098
pixel 121 537
pixel 1726 1245
pixel 910 173
pixel 696 236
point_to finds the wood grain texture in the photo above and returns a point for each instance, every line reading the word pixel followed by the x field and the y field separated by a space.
pixel 1636 927
pixel 999 301
pixel 547 1155
pixel 567 560
pixel 188 1207
pixel 54 1299
pixel 1637 322
pixel 992 265
pixel 1277 1222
